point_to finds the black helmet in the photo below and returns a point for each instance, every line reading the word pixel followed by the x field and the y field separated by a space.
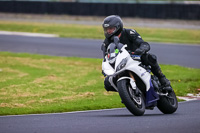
pixel 113 22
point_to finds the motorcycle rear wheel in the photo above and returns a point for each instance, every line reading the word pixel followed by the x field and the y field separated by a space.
pixel 129 100
pixel 168 104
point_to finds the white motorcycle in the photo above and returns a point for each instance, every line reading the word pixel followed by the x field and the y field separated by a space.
pixel 137 87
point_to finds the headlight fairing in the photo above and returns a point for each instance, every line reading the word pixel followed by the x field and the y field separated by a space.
pixel 122 64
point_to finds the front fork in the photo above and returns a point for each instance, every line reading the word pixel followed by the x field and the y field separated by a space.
pixel 133 84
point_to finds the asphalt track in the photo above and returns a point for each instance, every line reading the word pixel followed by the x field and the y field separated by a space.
pixel 177 54
pixel 185 120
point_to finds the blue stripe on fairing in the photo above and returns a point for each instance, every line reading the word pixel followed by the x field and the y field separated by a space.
pixel 151 96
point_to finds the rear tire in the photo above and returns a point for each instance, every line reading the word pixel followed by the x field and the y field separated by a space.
pixel 135 108
pixel 168 104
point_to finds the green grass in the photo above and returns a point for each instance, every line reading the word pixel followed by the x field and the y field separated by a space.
pixel 45 84
pixel 95 32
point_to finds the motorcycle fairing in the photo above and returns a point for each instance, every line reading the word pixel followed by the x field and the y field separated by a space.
pixel 107 68
pixel 151 96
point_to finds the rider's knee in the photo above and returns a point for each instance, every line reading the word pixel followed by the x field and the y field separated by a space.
pixel 107 85
pixel 152 58
pixel 149 59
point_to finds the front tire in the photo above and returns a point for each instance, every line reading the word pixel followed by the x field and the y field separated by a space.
pixel 137 108
pixel 168 104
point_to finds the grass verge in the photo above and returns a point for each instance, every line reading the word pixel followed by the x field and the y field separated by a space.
pixel 45 84
pixel 188 36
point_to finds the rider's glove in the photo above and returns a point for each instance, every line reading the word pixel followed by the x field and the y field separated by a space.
pixel 106 42
pixel 139 51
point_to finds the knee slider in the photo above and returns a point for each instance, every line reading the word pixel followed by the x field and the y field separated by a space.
pixel 107 85
pixel 152 59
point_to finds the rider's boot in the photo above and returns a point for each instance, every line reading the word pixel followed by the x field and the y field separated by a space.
pixel 165 83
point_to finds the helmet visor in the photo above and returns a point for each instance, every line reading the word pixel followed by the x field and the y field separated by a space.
pixel 109 30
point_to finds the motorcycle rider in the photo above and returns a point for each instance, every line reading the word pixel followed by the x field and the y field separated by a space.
pixel 113 26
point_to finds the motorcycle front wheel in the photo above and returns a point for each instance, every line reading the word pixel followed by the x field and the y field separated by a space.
pixel 134 103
